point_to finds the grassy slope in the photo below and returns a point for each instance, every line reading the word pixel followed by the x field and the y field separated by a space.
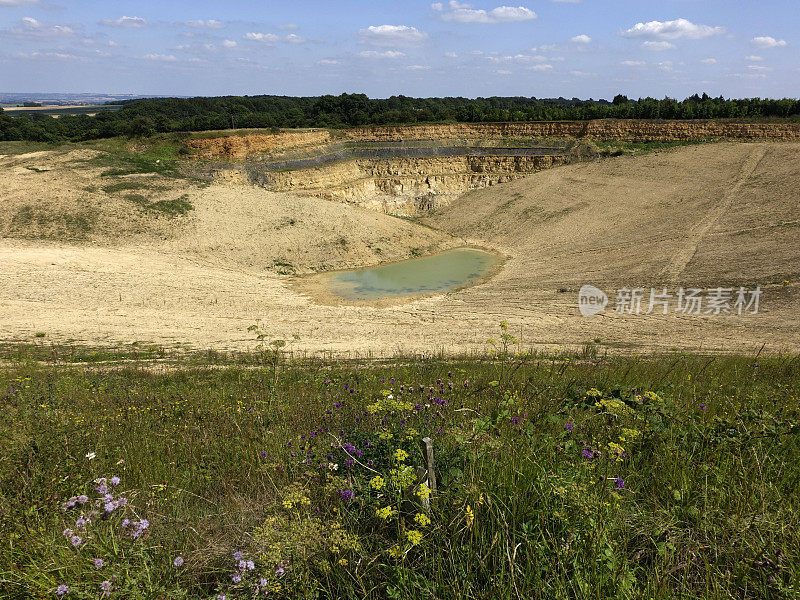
pixel 214 461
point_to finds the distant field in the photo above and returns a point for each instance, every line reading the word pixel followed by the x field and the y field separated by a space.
pixel 57 111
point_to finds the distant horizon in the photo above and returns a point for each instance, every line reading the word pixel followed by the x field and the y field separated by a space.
pixel 541 48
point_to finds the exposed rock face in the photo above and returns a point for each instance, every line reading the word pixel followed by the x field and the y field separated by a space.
pixel 407 185
pixel 398 186
pixel 609 129
pixel 247 145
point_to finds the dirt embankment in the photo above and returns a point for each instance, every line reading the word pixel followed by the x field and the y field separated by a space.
pixel 608 129
pixel 244 146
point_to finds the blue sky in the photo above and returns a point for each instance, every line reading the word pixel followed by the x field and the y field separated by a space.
pixel 543 48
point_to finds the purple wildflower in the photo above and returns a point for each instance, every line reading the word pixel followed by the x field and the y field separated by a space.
pixel 76 540
pixel 81 523
pixel 588 453
pixel 569 427
pixel 98 563
pixel 68 533
pixel 62 590
pixel 237 555
pixel 263 582
pixel 178 562
pixel 619 483
pixel 115 481
pixel 82 499
pixel 279 571
pixel 347 494
pixel 703 407
pixel 236 578
pixel 250 565
pixel 263 454
pixel 106 587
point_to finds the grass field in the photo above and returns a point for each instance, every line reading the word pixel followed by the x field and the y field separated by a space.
pixel 558 476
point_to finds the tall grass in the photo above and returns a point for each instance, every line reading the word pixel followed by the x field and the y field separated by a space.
pixel 559 477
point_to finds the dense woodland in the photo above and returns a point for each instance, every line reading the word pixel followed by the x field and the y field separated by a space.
pixel 150 116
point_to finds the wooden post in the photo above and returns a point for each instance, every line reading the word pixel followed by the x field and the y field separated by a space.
pixel 427 452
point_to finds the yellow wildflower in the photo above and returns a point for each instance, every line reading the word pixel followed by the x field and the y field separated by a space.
pixel 422 519
pixel 470 516
pixel 377 482
pixel 414 536
pixel 400 455
pixel 385 512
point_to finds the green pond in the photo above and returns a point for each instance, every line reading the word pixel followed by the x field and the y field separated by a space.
pixel 438 273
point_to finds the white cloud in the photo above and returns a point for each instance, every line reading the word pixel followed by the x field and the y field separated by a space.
pixel 671 30
pixel 667 66
pixel 766 41
pixel 581 39
pixel 633 63
pixel 583 74
pixel 17 2
pixel 709 61
pixel 32 28
pixel 392 35
pixel 267 38
pixel 385 54
pixel 521 58
pixel 327 62
pixel 47 56
pixel 545 67
pixel 657 46
pixel 271 38
pixel 161 57
pixel 133 22
pixel 465 13
pixel 451 55
pixel 210 24
pixel 229 44
pixel 758 68
pixel 417 68
pixel 753 58
pixel 503 72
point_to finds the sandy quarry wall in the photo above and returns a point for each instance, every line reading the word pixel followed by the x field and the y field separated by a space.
pixel 341 174
pixel 612 129
pixel 242 146
pixel 396 186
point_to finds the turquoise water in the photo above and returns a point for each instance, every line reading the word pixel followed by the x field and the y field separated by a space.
pixel 439 273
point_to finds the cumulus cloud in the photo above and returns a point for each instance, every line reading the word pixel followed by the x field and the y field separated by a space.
pixel 124 21
pixel 657 46
pixel 161 57
pixel 392 35
pixel 30 28
pixel 210 24
pixel 271 38
pixel 385 54
pixel 633 63
pixel 766 41
pixel 671 30
pixel 47 56
pixel 327 62
pixel 544 67
pixel 465 13
pixel 417 68
pixel 709 61
pixel 17 2
pixel 581 39
pixel 520 58
pixel 753 58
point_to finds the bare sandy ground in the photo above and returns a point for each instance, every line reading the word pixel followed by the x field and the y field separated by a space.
pixel 704 216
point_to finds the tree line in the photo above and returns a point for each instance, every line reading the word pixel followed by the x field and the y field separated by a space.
pixel 163 115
